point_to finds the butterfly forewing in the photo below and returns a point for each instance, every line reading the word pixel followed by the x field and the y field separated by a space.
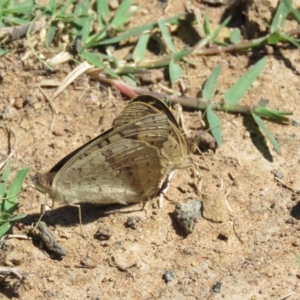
pixel 128 172
pixel 152 128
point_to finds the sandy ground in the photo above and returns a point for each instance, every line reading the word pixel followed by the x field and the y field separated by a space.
pixel 251 252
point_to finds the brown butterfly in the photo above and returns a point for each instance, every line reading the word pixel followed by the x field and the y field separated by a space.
pixel 126 164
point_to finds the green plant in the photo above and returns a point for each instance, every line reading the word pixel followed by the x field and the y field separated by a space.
pixel 9 199
pixel 99 27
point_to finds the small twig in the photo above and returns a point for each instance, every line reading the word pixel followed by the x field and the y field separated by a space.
pixel 54 113
pixel 114 263
pixel 287 186
pixel 10 272
pixel 17 236
pixel 226 201
pixel 286 296
pixel 20 31
pixel 236 233
pixel 242 45
pixel 12 151
pixel 85 267
pixel 237 156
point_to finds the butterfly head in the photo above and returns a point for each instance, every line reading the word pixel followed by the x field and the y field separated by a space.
pixel 43 182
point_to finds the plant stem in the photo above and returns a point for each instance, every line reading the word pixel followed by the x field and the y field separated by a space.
pixel 185 101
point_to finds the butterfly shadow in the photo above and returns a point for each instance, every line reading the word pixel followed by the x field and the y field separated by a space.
pixel 295 212
pixel 178 229
pixel 9 289
pixel 257 138
pixel 68 215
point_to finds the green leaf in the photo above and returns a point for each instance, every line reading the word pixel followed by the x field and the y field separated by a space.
pixel 293 41
pixel 12 20
pixel 199 23
pixel 175 72
pixel 272 114
pixel 129 79
pixel 164 60
pixel 206 26
pixel 93 59
pixel 85 24
pixel 166 35
pixel 214 125
pixel 22 8
pixel 4 217
pixel 51 7
pixel 81 7
pixel 16 218
pixel 102 12
pixel 235 36
pixel 3 51
pixel 237 91
pixel 122 14
pixel 50 34
pixel 274 38
pixel 209 88
pixel 1 12
pixel 137 31
pixel 3 182
pixel 15 188
pixel 93 40
pixel 266 131
pixel 128 70
pixel 294 11
pixel 4 228
pixel 66 6
pixel 141 47
pixel 179 55
pixel 110 72
pixel 279 18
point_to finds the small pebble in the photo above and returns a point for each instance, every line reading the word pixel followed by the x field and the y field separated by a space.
pixel 294 123
pixel 214 208
pixel 132 222
pixel 14 258
pixel 291 221
pixel 187 214
pixel 87 262
pixel 168 276
pixel 6 112
pixel 103 233
pixel 18 103
pixel 223 236
pixel 278 174
pixel 216 288
pixel 113 4
pixel 151 76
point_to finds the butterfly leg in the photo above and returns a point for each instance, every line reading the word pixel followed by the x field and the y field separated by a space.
pixel 80 218
pixel 164 189
pixel 179 116
pixel 43 210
